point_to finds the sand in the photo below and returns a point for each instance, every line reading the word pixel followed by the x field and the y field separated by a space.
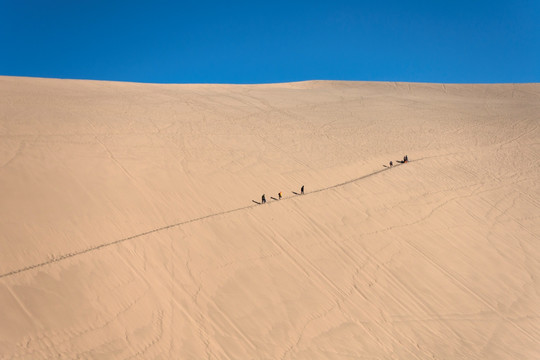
pixel 130 229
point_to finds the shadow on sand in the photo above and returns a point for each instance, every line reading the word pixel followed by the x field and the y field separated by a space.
pixel 256 202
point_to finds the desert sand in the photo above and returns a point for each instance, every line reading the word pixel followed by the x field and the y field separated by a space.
pixel 130 229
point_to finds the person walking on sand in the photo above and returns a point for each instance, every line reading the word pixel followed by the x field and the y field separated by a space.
pixel 280 194
pixel 263 200
pixel 391 163
pixel 302 190
pixel 405 159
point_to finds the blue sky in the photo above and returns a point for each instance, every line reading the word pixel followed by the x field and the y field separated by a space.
pixel 208 41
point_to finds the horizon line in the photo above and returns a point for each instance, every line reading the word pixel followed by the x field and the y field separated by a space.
pixel 265 83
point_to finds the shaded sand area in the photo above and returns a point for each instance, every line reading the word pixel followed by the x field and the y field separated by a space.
pixel 129 228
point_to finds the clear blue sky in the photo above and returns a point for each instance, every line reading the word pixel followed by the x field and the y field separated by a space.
pixel 205 41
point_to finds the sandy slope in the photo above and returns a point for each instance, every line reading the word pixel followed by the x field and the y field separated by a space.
pixel 128 227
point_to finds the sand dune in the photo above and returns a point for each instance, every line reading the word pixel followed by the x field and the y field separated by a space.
pixel 129 228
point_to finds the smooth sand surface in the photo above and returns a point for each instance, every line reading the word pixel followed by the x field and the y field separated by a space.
pixel 129 228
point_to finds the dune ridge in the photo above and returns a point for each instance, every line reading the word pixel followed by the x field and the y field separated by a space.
pixel 165 227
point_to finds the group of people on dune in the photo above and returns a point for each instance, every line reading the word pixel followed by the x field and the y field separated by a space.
pixel 280 195
pixel 405 159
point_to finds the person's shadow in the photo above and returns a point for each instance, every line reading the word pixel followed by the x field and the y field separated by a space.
pixel 295 193
pixel 256 202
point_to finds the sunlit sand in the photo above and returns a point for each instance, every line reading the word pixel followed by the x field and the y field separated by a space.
pixel 130 223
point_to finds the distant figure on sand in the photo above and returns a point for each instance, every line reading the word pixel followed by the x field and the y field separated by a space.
pixel 405 159
pixel 302 190
pixel 263 200
pixel 391 163
pixel 280 194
